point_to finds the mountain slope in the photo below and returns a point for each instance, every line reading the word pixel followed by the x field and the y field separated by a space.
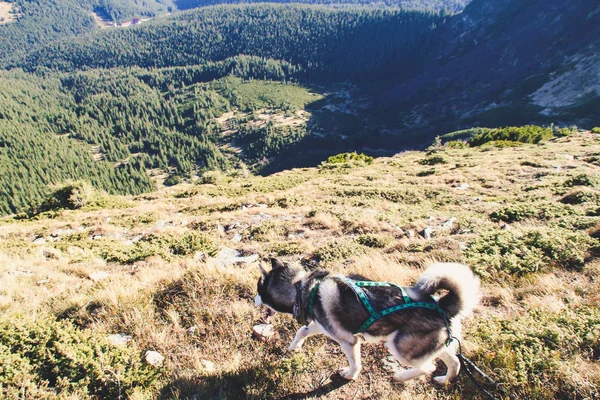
pixel 495 54
pixel 162 272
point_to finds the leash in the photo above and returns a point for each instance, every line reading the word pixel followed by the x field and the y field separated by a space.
pixel 466 363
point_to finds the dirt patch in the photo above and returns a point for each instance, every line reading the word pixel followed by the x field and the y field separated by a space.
pixel 103 20
pixel 8 13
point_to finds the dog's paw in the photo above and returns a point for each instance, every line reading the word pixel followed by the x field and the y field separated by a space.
pixel 348 373
pixel 295 347
pixel 442 379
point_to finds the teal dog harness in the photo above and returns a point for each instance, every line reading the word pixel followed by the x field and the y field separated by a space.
pixel 357 286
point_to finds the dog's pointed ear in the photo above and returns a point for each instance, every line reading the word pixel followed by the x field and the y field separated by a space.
pixel 276 263
pixel 263 271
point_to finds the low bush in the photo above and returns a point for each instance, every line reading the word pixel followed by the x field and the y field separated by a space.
pixel 346 160
pixel 505 253
pixel 528 352
pixel 46 358
pixel 433 160
pixel 337 250
pixel 457 144
pixel 375 241
pixel 513 214
pixel 524 134
pixel 581 197
pixel 581 180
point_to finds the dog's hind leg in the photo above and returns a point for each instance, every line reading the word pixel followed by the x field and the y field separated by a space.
pixel 311 329
pixel 352 351
pixel 452 363
pixel 425 367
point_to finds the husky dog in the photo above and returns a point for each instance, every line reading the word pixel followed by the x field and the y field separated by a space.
pixel 415 335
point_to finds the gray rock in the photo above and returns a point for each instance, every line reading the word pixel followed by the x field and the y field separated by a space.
pixel 236 238
pixel 264 332
pixel 228 256
pixel 427 232
pixel 449 223
pixel 39 240
pixel 154 358
pixel 51 253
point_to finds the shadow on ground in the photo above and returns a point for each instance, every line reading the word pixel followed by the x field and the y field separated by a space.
pixel 240 385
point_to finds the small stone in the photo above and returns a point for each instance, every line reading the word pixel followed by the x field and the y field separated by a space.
pixel 463 186
pixel 39 240
pixel 208 366
pixel 411 233
pixel 191 330
pixel 506 227
pixel 98 276
pixel 221 230
pixel 154 358
pixel 51 253
pixel 119 339
pixel 427 232
pixel 236 238
pixel 96 237
pixel 263 332
pixel 449 223
pixel 43 281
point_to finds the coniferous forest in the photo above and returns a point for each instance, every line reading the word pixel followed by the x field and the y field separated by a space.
pixel 114 106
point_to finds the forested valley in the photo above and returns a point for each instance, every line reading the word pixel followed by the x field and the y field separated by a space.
pixel 261 87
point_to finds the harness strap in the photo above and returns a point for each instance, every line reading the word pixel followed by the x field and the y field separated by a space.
pixel 357 286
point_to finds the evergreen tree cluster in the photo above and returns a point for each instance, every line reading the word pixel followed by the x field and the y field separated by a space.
pixel 329 44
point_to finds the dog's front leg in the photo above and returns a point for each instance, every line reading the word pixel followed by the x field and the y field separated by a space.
pixel 311 329
pixel 352 351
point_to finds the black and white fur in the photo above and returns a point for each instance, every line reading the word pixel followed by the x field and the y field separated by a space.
pixel 414 336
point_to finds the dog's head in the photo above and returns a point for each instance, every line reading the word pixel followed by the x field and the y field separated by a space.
pixel 276 288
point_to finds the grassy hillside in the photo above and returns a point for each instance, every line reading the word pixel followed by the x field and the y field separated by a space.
pixel 525 217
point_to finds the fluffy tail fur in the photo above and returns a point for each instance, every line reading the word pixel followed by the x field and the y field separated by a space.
pixel 458 280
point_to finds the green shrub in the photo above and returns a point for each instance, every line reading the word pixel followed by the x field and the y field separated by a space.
pixel 505 253
pixel 581 180
pixel 501 144
pixel 287 248
pixel 433 160
pixel 426 172
pixel 192 242
pixel 513 214
pixel 375 241
pixel 526 352
pixel 70 195
pixel 532 164
pixel 581 197
pixel 596 129
pixel 524 134
pixel 337 250
pixel 265 231
pixel 46 358
pixel 173 180
pixel 457 144
pixel 350 158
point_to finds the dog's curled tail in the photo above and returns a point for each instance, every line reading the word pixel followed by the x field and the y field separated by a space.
pixel 460 282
